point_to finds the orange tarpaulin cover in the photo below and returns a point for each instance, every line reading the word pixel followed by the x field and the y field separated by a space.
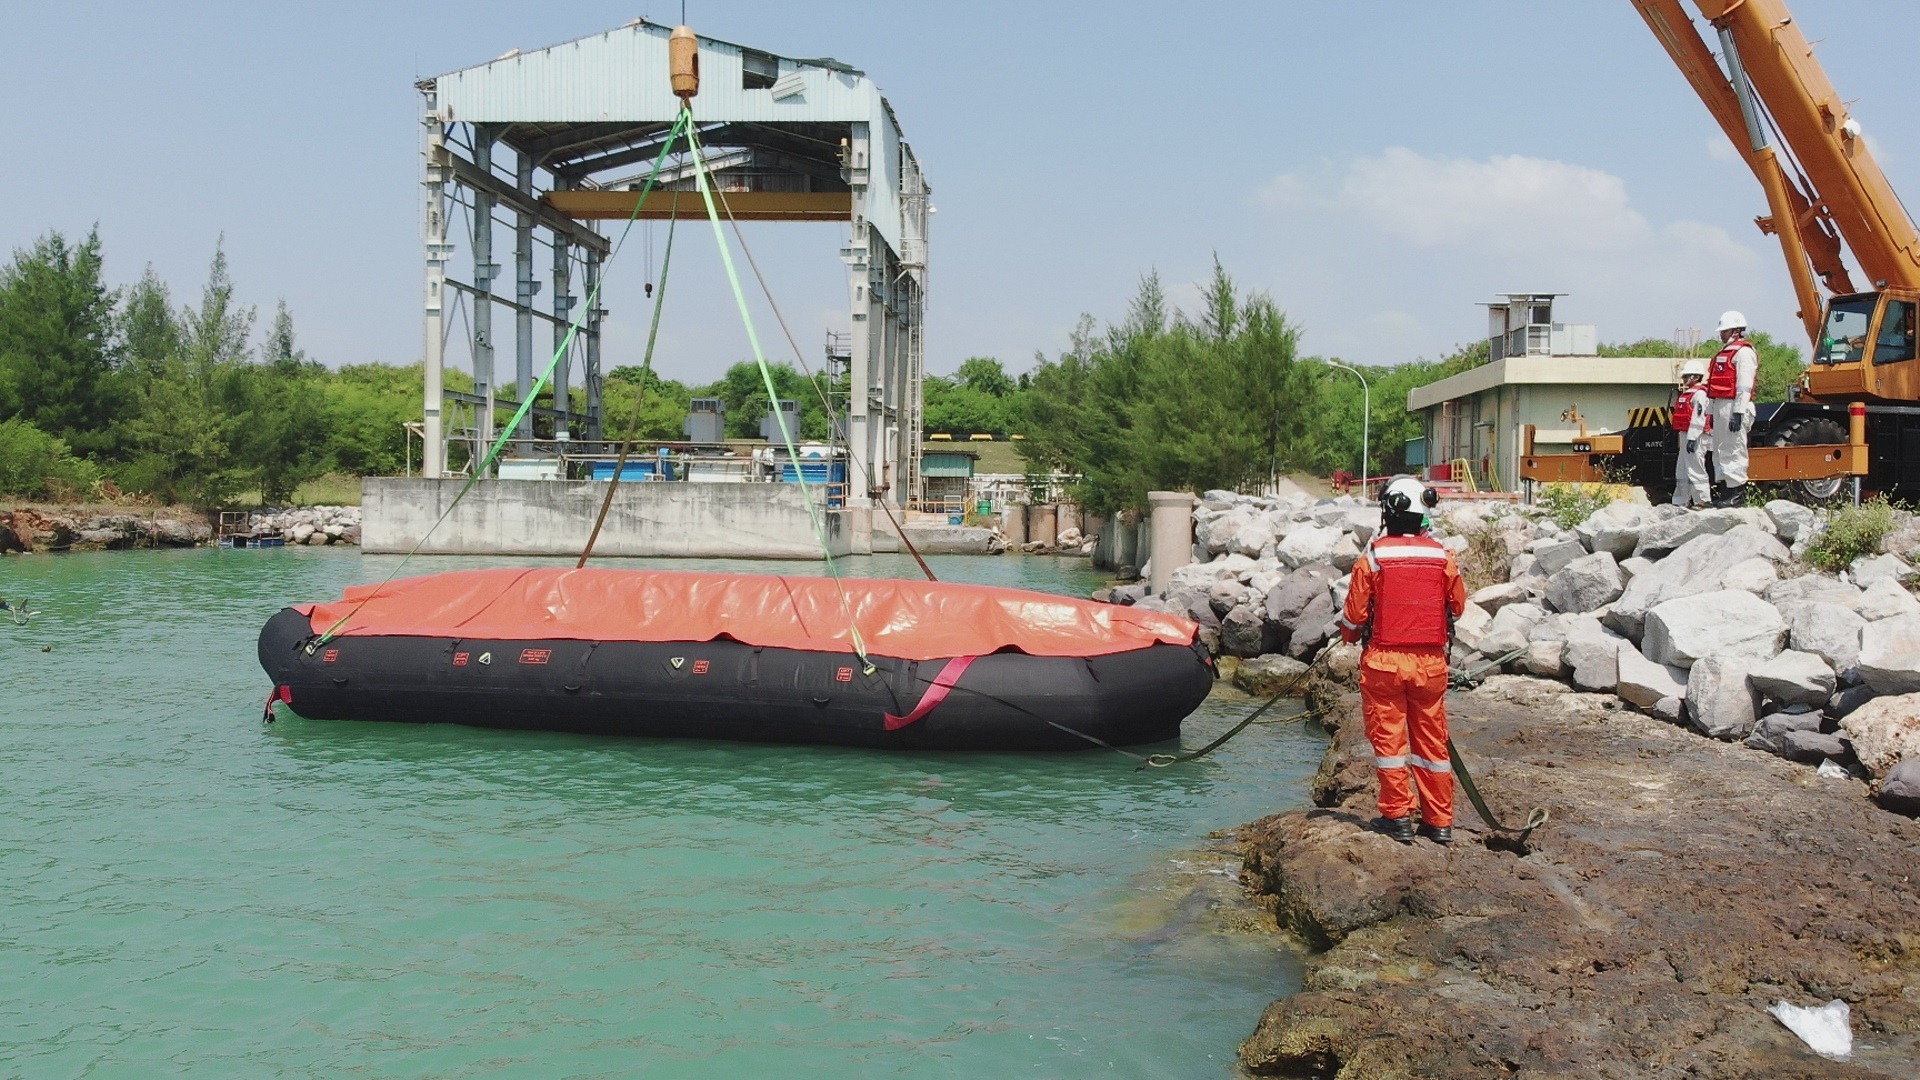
pixel 909 620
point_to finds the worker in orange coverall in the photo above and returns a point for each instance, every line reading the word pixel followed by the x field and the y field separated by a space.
pixel 1403 598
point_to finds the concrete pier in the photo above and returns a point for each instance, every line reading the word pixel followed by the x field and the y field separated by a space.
pixel 553 517
pixel 1172 520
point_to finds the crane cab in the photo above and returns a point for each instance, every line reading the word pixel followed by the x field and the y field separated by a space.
pixel 1867 349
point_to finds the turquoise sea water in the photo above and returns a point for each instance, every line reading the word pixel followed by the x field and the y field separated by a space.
pixel 184 891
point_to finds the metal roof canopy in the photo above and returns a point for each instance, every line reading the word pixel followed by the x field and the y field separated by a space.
pixel 786 139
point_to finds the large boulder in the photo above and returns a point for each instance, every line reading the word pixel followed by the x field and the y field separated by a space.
pixel 1552 554
pixel 1770 734
pixel 1316 626
pixel 1363 522
pixel 1829 631
pixel 1288 599
pixel 1643 682
pixel 1508 631
pixel 1755 575
pixel 1270 674
pixel 1245 632
pixel 1790 519
pixel 1720 702
pixel 1696 567
pixel 1344 554
pixel 1664 537
pixel 1217 533
pixel 1883 731
pixel 1811 589
pixel 1494 597
pixel 1811 747
pixel 1547 659
pixel 1723 624
pixel 1308 544
pixel 1586 583
pixel 1900 788
pixel 1868 569
pixel 1890 655
pixel 1794 678
pixel 1252 539
pixel 1593 656
pixel 1195 605
pixel 1884 599
pixel 1614 528
pixel 1472 623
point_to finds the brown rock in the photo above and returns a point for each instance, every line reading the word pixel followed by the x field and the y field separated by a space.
pixel 1682 886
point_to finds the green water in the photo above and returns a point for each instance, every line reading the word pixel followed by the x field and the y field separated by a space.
pixel 186 891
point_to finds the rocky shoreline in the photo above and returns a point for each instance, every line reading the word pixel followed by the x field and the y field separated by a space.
pixel 1682 886
pixel 27 529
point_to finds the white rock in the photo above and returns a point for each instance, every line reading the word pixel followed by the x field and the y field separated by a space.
pixel 1584 584
pixel 1634 567
pixel 1553 555
pixel 1727 624
pixel 1454 544
pixel 1251 539
pixel 1593 655
pixel 1198 575
pixel 1890 655
pixel 1614 528
pixel 1643 682
pixel 1547 659
pixel 1883 731
pixel 1521 566
pixel 301 533
pixel 1885 599
pixel 1868 569
pixel 1495 597
pixel 1472 623
pixel 1828 631
pixel 1663 537
pixel 1753 575
pixel 1794 678
pixel 1308 544
pixel 1696 567
pixel 1344 554
pixel 1790 519
pixel 1508 631
pixel 1721 703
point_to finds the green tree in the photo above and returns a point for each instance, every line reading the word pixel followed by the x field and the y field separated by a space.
pixel 149 331
pixel 657 413
pixel 57 362
pixel 957 407
pixel 745 394
pixel 983 374
pixel 282 444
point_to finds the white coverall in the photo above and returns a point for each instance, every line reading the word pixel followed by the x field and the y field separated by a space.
pixel 1730 446
pixel 1690 471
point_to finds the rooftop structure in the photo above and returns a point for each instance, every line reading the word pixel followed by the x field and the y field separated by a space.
pixel 1543 373
pixel 560 139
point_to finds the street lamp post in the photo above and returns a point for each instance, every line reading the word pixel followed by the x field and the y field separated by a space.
pixel 1366 415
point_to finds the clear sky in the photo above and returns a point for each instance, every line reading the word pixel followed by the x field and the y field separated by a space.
pixel 1378 168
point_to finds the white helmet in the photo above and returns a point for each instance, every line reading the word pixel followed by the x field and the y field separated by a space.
pixel 1408 494
pixel 1693 367
pixel 1732 320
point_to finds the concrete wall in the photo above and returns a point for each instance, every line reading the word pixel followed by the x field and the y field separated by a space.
pixel 533 517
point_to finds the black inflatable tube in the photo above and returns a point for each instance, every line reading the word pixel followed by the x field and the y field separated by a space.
pixel 726 690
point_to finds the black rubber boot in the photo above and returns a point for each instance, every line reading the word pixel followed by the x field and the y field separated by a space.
pixel 1439 834
pixel 1400 829
pixel 1732 497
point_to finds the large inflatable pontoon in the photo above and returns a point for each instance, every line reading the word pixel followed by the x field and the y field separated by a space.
pixel 732 656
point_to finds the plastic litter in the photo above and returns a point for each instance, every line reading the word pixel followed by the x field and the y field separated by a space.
pixel 1825 1029
pixel 1832 770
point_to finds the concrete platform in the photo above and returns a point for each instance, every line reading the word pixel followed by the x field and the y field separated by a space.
pixel 553 517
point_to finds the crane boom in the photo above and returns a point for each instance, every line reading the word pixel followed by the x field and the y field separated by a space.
pixel 1823 190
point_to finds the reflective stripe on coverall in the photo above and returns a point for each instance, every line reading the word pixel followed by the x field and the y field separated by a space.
pixel 1403 694
pixel 1730 446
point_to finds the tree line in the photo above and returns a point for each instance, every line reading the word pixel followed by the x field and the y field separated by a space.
pixel 106 389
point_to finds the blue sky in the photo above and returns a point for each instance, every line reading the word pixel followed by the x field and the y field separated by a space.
pixel 1377 168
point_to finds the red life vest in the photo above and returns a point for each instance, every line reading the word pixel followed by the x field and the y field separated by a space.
pixel 1683 410
pixel 1409 592
pixel 1723 375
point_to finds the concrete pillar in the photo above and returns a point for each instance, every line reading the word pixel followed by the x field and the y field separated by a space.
pixel 1043 524
pixel 1142 545
pixel 1126 542
pixel 1013 524
pixel 1067 516
pixel 563 317
pixel 1172 534
pixel 1103 547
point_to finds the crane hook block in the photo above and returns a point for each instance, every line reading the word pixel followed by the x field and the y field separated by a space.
pixel 683 59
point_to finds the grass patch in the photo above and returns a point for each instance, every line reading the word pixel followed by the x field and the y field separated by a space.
pixel 1486 561
pixel 333 489
pixel 1853 531
pixel 1570 504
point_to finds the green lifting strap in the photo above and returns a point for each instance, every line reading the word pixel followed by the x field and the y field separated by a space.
pixel 683 125
pixel 773 395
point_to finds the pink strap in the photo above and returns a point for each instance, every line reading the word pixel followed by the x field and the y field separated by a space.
pixel 936 692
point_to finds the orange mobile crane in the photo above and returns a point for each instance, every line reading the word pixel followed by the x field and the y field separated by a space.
pixel 1854 411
